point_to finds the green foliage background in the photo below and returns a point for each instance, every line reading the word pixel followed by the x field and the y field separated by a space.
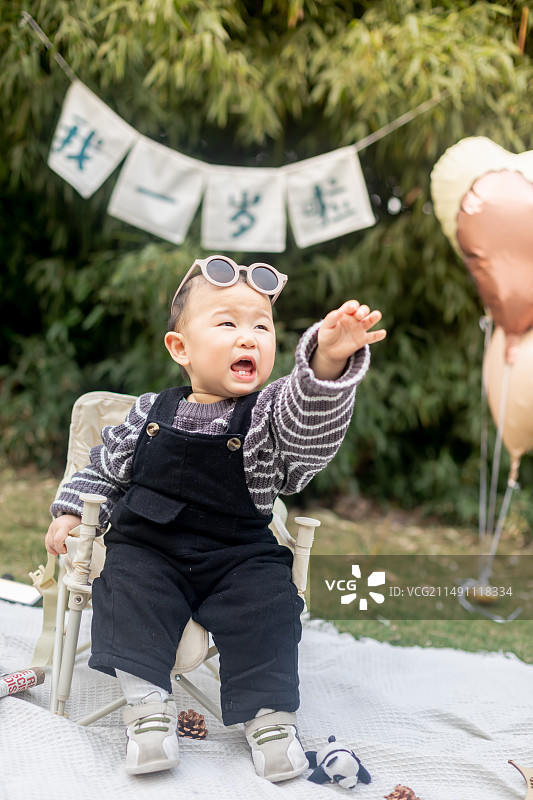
pixel 84 296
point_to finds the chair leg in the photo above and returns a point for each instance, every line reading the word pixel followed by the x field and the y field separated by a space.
pixel 77 603
pixel 198 695
pixel 103 712
pixel 78 584
pixel 58 635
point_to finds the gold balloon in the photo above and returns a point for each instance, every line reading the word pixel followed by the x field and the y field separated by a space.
pixel 517 432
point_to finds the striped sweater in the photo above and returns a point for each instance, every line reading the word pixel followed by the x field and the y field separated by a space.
pixel 297 426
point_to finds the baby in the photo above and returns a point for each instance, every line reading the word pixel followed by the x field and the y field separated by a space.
pixel 190 479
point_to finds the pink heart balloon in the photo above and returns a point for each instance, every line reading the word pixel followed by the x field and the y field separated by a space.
pixel 495 233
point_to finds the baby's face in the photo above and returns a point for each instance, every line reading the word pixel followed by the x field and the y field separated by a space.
pixel 227 343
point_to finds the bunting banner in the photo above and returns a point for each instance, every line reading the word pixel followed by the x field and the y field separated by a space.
pixel 158 190
pixel 327 197
pixel 89 142
pixel 244 210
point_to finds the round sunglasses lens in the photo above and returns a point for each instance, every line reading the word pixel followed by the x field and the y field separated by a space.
pixel 265 279
pixel 220 271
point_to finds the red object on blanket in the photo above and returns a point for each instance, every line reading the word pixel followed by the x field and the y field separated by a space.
pixel 19 681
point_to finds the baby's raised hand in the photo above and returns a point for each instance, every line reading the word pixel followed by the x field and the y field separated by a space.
pixel 342 332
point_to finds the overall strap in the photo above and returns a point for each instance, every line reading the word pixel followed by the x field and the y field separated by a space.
pixel 166 402
pixel 242 414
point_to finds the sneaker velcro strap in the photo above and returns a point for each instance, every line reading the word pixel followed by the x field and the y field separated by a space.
pixel 269 720
pixel 261 737
pixel 261 731
pixel 146 724
pixel 142 710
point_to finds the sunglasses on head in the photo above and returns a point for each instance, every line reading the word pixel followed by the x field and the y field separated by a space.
pixel 222 271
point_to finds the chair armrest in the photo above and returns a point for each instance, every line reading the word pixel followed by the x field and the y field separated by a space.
pixel 302 549
pixel 78 579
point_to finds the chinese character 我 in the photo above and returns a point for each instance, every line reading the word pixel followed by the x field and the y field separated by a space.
pixel 78 137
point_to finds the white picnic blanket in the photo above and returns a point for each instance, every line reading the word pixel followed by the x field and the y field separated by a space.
pixel 443 722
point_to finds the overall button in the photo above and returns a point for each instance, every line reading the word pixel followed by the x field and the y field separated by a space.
pixel 233 444
pixel 152 429
pixel 228 705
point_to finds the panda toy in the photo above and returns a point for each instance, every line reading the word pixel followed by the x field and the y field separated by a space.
pixel 337 763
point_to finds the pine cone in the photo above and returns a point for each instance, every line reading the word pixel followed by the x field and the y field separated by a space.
pixel 192 725
pixel 401 793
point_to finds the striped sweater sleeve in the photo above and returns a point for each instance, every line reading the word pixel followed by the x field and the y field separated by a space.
pixel 298 424
pixel 109 470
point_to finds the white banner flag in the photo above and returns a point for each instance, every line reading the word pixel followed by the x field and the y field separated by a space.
pixel 327 197
pixel 244 210
pixel 158 190
pixel 89 141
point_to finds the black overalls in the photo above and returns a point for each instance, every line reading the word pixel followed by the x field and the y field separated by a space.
pixel 187 539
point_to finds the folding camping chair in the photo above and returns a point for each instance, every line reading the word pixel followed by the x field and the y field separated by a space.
pixel 85 559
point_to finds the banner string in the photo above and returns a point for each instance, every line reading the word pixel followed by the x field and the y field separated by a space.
pixel 360 145
pixel 400 121
pixel 69 72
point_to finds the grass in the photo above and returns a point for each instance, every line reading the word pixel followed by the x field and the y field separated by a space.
pixel 399 533
pixel 25 498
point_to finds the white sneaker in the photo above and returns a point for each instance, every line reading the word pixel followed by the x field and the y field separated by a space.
pixel 276 750
pixel 151 733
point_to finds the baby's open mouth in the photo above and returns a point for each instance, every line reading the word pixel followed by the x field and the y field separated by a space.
pixel 244 368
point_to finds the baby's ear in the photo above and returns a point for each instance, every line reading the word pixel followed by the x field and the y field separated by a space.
pixel 175 344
